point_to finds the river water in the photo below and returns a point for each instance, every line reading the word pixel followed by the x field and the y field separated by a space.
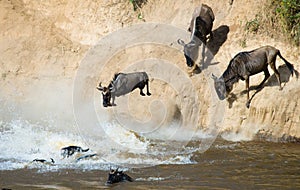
pixel 225 165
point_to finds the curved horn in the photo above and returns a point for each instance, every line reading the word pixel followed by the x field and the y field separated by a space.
pixel 180 42
pixel 214 77
pixel 100 87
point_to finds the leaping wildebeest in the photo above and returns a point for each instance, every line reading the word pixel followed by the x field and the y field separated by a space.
pixel 246 64
pixel 124 83
pixel 200 27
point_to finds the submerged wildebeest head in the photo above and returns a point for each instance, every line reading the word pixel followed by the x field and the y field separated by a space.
pixel 116 176
pixel 123 84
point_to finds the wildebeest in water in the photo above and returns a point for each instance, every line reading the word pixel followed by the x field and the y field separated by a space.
pixel 70 150
pixel 200 27
pixel 246 64
pixel 124 83
pixel 116 176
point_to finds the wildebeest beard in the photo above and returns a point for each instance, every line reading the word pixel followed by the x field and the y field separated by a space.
pixel 189 61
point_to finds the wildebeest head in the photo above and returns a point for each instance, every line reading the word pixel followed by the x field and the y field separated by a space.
pixel 220 87
pixel 191 51
pixel 106 94
pixel 116 176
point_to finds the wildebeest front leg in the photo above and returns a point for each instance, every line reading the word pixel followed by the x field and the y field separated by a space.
pixel 211 37
pixel 113 100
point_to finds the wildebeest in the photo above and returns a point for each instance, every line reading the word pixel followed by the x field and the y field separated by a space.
pixel 124 83
pixel 246 64
pixel 116 176
pixel 200 26
pixel 86 157
pixel 70 150
pixel 44 161
pixel 202 22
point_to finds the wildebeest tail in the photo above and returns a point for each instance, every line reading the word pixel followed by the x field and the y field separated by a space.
pixel 288 64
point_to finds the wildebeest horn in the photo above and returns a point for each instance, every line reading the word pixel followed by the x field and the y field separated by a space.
pixel 214 77
pixel 180 42
pixel 100 87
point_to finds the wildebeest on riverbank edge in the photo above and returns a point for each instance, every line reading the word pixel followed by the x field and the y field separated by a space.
pixel 246 64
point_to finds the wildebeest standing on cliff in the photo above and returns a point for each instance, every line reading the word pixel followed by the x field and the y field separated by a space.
pixel 202 22
pixel 246 64
pixel 124 83
pixel 200 27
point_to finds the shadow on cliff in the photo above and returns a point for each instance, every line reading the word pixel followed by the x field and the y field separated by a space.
pixel 219 37
pixel 285 76
pixel 214 44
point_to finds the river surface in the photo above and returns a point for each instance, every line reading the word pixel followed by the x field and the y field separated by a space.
pixel 225 165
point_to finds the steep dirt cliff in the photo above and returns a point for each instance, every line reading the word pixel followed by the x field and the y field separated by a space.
pixel 43 42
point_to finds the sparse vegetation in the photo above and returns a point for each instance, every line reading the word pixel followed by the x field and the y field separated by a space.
pixel 253 25
pixel 137 6
pixel 243 42
pixel 283 16
pixel 288 12
pixel 278 18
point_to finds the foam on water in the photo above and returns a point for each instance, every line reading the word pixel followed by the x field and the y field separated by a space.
pixel 22 142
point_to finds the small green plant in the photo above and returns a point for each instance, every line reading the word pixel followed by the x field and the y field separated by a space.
pixel 243 42
pixel 253 25
pixel 137 6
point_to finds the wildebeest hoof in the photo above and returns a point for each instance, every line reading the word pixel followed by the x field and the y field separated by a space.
pixel 248 104
pixel 142 94
pixel 280 88
pixel 148 94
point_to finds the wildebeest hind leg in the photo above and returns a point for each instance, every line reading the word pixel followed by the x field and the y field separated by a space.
pixel 267 75
pixel 147 85
pixel 272 65
pixel 141 92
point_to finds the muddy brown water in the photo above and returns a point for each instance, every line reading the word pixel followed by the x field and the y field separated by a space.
pixel 226 165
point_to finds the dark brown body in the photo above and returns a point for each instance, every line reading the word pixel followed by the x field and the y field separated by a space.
pixel 202 22
pixel 246 64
